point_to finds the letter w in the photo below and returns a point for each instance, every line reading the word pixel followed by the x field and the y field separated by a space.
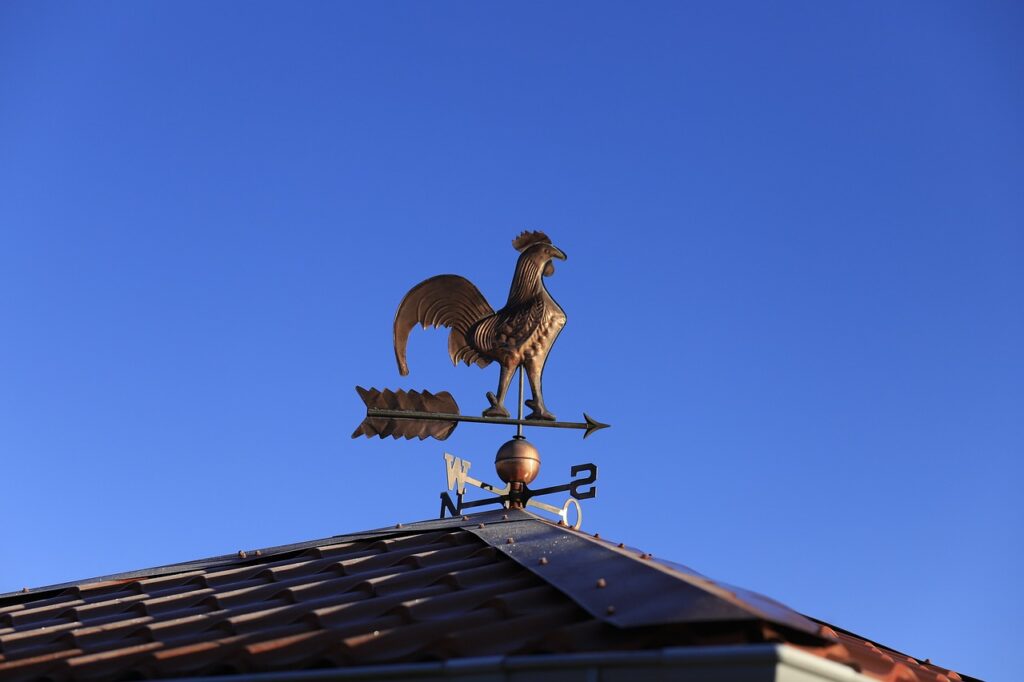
pixel 457 470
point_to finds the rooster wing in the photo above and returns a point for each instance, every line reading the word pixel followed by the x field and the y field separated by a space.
pixel 507 333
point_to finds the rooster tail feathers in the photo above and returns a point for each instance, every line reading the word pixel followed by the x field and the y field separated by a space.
pixel 443 301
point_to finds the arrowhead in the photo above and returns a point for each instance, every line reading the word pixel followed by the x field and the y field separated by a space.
pixel 592 425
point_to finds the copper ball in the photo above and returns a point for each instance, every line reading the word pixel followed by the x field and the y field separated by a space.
pixel 517 461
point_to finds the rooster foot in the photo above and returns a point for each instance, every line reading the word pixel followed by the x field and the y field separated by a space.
pixel 496 409
pixel 539 411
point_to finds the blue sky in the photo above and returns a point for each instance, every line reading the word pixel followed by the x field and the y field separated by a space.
pixel 795 237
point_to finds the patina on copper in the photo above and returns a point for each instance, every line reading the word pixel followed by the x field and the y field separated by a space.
pixel 520 335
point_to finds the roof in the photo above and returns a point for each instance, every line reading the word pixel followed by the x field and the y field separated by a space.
pixel 503 584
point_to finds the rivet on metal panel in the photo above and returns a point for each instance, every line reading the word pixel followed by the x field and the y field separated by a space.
pixel 504 517
pixel 561 522
pixel 601 582
pixel 258 552
pixel 543 561
pixel 610 609
pixel 597 535
pixel 621 545
pixel 481 525
pixel 510 541
pixel 24 589
pixel 241 554
pixel 398 525
pixel 465 518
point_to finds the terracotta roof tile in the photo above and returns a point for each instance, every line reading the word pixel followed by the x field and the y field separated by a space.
pixel 431 591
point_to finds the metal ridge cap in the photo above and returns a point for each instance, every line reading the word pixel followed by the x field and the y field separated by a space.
pixel 262 554
pixel 664 565
pixel 603 579
pixel 743 656
pixel 719 588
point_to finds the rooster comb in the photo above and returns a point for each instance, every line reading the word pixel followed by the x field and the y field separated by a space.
pixel 528 239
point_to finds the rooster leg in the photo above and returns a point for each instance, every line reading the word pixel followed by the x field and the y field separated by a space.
pixel 497 408
pixel 534 369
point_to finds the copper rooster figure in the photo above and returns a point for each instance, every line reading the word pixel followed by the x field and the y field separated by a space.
pixel 520 335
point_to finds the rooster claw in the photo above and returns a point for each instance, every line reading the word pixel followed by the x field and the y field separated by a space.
pixel 539 411
pixel 496 409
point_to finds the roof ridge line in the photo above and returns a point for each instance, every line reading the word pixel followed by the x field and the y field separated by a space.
pixel 243 557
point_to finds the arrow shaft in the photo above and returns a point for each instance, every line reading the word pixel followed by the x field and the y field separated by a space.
pixel 446 417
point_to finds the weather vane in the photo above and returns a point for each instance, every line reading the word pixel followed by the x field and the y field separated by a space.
pixel 518 337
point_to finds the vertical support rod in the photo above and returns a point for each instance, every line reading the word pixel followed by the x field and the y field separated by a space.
pixel 519 427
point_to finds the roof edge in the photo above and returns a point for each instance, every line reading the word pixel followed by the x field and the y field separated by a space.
pixel 743 663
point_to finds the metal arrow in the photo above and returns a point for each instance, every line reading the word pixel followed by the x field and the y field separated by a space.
pixel 589 425
pixel 415 414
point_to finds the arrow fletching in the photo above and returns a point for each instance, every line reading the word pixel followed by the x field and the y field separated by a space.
pixel 407 401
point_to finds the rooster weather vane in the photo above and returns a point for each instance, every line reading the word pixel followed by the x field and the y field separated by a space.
pixel 518 337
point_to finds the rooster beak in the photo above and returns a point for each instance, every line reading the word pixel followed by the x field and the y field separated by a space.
pixel 558 253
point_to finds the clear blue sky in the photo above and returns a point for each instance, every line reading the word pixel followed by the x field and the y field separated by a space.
pixel 795 279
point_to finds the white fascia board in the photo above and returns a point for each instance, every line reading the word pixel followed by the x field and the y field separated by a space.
pixel 799 666
pixel 739 663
